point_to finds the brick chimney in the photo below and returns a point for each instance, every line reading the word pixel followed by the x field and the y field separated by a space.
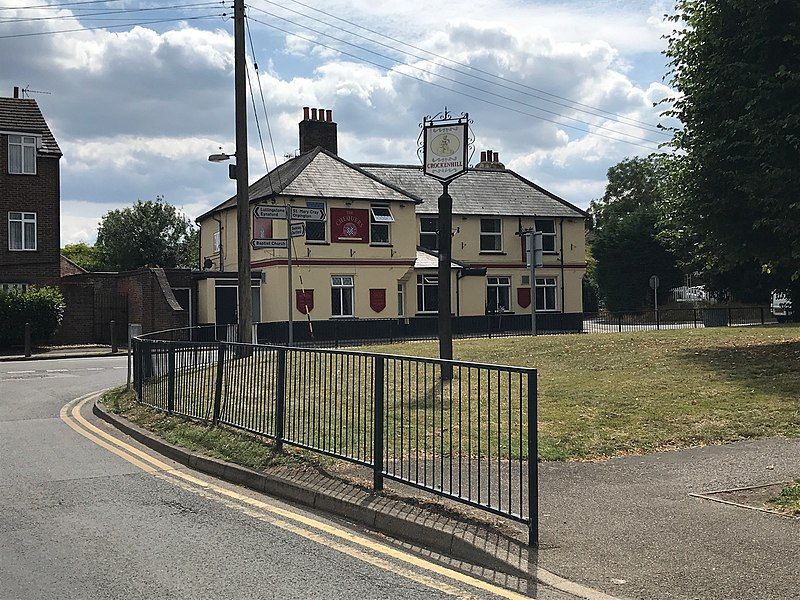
pixel 318 129
pixel 490 161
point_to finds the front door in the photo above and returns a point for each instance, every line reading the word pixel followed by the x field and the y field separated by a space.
pixel 226 305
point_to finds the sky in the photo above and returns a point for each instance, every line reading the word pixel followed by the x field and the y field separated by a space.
pixel 561 90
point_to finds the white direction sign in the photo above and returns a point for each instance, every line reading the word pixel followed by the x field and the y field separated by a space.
pixel 298 229
pixel 268 211
pixel 269 243
pixel 303 213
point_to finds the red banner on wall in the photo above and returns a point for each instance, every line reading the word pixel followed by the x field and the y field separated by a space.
pixel 304 301
pixel 524 297
pixel 377 300
pixel 262 228
pixel 350 225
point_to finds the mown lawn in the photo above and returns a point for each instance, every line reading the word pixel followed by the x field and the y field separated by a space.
pixel 608 394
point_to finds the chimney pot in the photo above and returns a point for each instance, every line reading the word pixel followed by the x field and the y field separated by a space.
pixel 489 156
pixel 16 91
pixel 329 116
pixel 313 114
pixel 305 113
pixel 483 155
pixel 496 157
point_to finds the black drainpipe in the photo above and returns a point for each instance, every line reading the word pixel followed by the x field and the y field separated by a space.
pixel 561 235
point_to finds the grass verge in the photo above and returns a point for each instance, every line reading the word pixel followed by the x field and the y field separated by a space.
pixel 788 500
pixel 217 442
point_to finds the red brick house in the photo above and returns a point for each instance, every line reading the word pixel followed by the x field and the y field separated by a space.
pixel 30 239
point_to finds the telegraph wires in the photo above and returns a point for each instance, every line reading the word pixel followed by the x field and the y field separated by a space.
pixel 203 5
pixel 109 26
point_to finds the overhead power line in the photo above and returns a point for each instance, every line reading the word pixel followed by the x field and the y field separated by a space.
pixel 57 5
pixel 500 81
pixel 130 24
pixel 434 84
pixel 450 79
pixel 203 5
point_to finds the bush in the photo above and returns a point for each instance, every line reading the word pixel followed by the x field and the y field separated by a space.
pixel 42 307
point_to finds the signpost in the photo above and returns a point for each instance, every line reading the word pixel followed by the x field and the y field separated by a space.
pixel 534 255
pixel 288 214
pixel 445 141
pixel 654 283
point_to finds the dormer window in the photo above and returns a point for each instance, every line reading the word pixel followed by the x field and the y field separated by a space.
pixel 380 219
pixel 21 155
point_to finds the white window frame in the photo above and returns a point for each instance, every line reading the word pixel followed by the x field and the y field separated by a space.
pixel 216 241
pixel 434 233
pixel 7 287
pixel 380 217
pixel 425 281
pixel 23 219
pixel 401 299
pixel 548 237
pixel 323 224
pixel 493 285
pixel 340 283
pixel 18 143
pixel 545 283
pixel 495 235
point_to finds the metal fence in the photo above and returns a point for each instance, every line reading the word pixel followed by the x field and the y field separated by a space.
pixel 465 431
pixel 677 318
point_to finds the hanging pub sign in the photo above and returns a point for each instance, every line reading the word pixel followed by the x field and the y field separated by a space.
pixel 350 225
pixel 445 148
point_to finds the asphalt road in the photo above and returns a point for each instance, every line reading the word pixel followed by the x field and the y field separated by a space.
pixel 78 520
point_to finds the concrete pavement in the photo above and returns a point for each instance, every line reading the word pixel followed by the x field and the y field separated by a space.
pixel 80 521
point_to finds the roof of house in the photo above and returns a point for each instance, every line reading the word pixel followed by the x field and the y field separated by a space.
pixel 23 115
pixel 321 174
pixel 479 192
pixel 428 259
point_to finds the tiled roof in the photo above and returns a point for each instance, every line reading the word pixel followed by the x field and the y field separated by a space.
pixel 427 259
pixel 321 174
pixel 23 115
pixel 479 192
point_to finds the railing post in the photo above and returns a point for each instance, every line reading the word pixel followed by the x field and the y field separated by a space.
pixel 533 462
pixel 217 410
pixel 377 425
pixel 171 378
pixel 730 317
pixel 280 399
pixel 694 316
pixel 619 321
pixel 27 339
pixel 762 314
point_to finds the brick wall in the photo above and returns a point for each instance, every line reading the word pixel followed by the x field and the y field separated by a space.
pixel 38 193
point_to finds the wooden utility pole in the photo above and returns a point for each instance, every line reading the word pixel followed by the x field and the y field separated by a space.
pixel 245 313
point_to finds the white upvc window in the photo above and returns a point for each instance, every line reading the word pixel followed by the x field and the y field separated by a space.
pixel 315 230
pixel 21 155
pixel 427 293
pixel 491 235
pixel 7 287
pixel 21 231
pixel 429 232
pixel 546 293
pixel 380 220
pixel 548 229
pixel 216 239
pixel 342 295
pixel 498 294
pixel 401 299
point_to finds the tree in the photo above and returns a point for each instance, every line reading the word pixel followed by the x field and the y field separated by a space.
pixel 736 65
pixel 147 233
pixel 625 241
pixel 91 258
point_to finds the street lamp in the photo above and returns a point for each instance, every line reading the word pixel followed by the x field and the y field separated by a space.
pixel 221 157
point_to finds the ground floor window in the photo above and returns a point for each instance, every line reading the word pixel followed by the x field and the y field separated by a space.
pixel 545 293
pixel 498 294
pixel 401 298
pixel 342 295
pixel 5 287
pixel 427 293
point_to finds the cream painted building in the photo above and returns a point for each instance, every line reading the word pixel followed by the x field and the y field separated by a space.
pixel 374 254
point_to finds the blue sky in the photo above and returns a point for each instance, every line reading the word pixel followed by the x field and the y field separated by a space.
pixel 137 110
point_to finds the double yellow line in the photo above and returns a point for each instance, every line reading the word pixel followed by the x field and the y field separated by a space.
pixel 384 556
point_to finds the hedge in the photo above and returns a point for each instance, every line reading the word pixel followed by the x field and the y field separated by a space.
pixel 42 307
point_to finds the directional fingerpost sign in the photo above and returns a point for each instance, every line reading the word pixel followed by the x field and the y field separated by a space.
pixel 266 211
pixel 303 213
pixel 298 229
pixel 270 243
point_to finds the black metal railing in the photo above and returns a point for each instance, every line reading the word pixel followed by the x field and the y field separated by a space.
pixel 677 318
pixel 462 430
